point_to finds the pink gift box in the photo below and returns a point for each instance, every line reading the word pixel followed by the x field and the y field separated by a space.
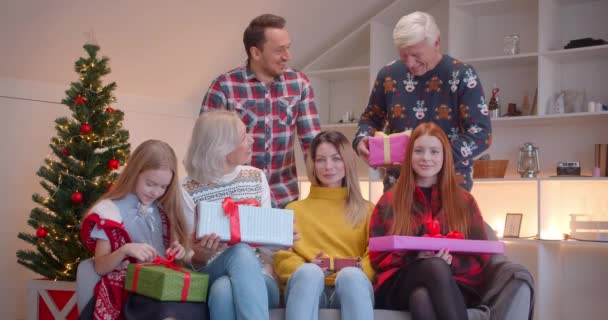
pixel 386 150
pixel 396 243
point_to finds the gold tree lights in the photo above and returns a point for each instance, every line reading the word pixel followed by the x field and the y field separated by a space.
pixel 86 152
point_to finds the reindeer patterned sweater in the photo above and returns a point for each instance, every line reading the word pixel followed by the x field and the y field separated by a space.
pixel 449 95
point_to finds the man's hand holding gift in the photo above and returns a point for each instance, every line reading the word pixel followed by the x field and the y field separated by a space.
pixel 206 247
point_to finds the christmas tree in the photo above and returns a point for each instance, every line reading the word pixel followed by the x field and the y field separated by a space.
pixel 86 151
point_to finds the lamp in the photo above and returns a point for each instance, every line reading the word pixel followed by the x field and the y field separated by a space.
pixel 528 164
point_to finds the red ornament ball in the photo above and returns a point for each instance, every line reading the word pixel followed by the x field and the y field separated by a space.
pixel 77 197
pixel 65 151
pixel 113 164
pixel 85 128
pixel 109 110
pixel 41 233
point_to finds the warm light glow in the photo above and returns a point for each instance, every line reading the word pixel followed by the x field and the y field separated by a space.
pixel 498 227
pixel 551 233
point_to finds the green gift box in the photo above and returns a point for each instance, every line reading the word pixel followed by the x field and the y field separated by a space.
pixel 165 284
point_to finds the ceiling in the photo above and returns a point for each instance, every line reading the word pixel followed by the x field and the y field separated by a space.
pixel 165 49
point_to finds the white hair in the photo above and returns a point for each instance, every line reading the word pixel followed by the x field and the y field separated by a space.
pixel 214 136
pixel 415 27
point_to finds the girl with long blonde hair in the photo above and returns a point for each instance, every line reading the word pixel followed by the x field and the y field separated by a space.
pixel 139 218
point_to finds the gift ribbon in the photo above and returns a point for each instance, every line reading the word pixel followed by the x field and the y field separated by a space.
pixel 160 261
pixel 231 210
pixel 434 229
pixel 386 138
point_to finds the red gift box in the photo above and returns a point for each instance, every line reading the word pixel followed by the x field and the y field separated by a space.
pixel 49 300
pixel 337 264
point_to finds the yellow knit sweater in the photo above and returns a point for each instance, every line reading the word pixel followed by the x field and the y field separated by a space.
pixel 322 227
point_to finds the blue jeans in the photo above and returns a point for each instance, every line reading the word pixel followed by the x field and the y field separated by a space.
pixel 237 274
pixel 306 293
pixel 220 297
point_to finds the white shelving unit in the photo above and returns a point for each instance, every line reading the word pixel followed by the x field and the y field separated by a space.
pixel 570 275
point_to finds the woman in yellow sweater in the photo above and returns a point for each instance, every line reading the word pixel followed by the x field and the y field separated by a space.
pixel 329 266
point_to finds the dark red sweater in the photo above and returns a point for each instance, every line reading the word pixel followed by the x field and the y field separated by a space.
pixel 466 268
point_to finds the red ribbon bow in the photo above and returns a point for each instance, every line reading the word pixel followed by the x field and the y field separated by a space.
pixel 231 210
pixel 435 230
pixel 169 264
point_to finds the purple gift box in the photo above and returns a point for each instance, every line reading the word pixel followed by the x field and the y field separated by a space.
pixel 396 243
pixel 386 150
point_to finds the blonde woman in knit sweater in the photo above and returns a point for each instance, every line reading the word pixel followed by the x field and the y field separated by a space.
pixel 333 222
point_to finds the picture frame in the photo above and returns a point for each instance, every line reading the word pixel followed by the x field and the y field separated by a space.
pixel 512 225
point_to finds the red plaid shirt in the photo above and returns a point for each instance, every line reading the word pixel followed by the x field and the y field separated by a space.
pixel 466 268
pixel 272 115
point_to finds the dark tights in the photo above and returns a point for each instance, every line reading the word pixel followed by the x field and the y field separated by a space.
pixel 425 288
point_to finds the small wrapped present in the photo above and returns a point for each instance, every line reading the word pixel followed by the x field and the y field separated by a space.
pixel 241 222
pixel 165 281
pixel 397 243
pixel 337 264
pixel 388 149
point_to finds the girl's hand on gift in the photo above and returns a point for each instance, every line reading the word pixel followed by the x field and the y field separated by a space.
pixel 205 247
pixel 143 252
pixel 445 255
pixel 176 250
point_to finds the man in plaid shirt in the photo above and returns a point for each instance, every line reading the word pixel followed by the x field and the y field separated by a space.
pixel 273 101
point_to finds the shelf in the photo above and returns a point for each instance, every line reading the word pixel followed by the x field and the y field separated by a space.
pixel 492 7
pixel 518 240
pixel 565 55
pixel 339 125
pixel 565 178
pixel 522 58
pixel 551 119
pixel 347 73
pixel 505 180
pixel 554 242
pixel 575 243
pixel 526 180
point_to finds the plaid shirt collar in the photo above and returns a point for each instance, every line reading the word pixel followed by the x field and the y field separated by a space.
pixel 250 76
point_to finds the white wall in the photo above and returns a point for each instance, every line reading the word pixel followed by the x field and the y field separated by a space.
pixel 163 57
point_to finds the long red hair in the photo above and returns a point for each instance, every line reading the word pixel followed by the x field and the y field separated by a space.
pixel 450 192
